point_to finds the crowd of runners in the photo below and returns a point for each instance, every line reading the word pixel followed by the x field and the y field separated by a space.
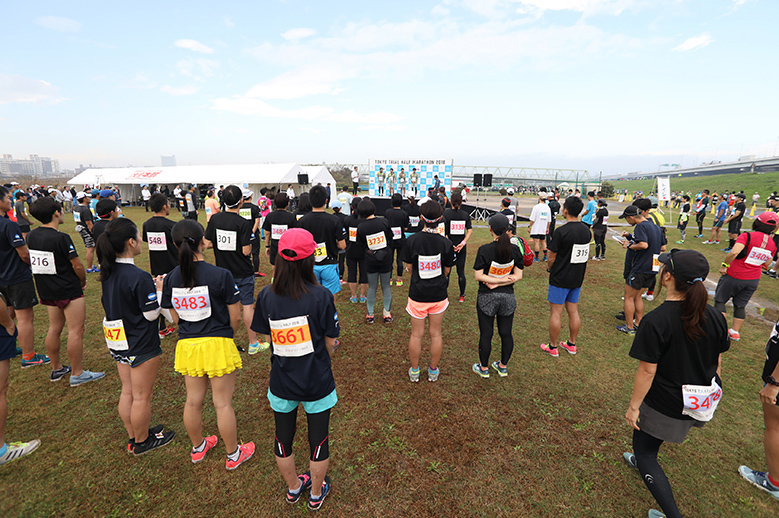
pixel 314 253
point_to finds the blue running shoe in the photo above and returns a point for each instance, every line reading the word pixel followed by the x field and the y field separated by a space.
pixel 760 480
pixel 625 329
pixel 315 503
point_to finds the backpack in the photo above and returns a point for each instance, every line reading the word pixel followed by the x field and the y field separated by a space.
pixel 527 252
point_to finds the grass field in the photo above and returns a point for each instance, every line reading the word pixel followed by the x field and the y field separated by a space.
pixel 764 184
pixel 545 441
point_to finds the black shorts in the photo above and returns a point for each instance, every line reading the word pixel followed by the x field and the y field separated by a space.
pixel 24 228
pixel 639 281
pixel 86 236
pixel 21 295
pixel 771 354
pixel 538 236
pixel 734 227
pixel 352 265
pixel 740 291
pixel 133 360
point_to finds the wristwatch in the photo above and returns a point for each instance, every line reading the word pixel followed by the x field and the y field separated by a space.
pixel 725 265
pixel 771 381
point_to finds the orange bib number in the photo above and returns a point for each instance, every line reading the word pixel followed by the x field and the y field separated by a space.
pixel 115 337
pixel 291 337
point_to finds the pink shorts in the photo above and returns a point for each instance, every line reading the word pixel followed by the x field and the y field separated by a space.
pixel 61 304
pixel 420 310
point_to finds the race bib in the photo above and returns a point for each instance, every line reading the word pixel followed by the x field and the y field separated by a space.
pixel 77 216
pixel 510 218
pixel 758 256
pixel 320 252
pixel 42 262
pixel 226 240
pixel 655 262
pixel 441 229
pixel 501 269
pixel 580 254
pixel 429 266
pixel 701 401
pixel 543 216
pixel 457 228
pixel 298 216
pixel 353 234
pixel 157 241
pixel 376 241
pixel 115 337
pixel 413 221
pixel 397 233
pixel 276 231
pixel 291 337
pixel 192 305
pixel 605 220
pixel 208 211
pixel 513 208
pixel 245 213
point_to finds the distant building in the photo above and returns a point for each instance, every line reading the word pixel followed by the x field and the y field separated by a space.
pixel 168 161
pixel 35 165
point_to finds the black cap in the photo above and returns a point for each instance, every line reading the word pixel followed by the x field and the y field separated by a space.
pixel 741 195
pixel 689 266
pixel 499 223
pixel 630 210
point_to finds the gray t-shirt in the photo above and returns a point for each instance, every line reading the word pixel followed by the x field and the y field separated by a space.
pixel 21 216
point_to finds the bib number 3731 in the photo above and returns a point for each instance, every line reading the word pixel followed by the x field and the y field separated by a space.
pixel 700 401
pixel 291 337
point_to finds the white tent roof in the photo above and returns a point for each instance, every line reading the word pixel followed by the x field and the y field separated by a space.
pixel 318 174
pixel 258 174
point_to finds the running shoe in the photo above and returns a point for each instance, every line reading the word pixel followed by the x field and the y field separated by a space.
pixel 716 242
pixel 18 352
pixel 388 319
pixel 258 346
pixel 654 513
pixel 246 453
pixel 595 258
pixel 315 503
pixel 167 331
pixel 363 300
pixel 571 348
pixel 432 375
pixel 759 479
pixel 152 431
pixel 650 298
pixel 399 282
pixel 60 373
pixel 392 282
pixel 698 235
pixel 551 350
pixel 197 456
pixel 260 274
pixel 17 450
pixel 771 273
pixel 620 316
pixel 546 259
pixel 370 319
pixel 707 242
pixel 305 483
pixel 413 375
pixel 354 300
pixel 734 335
pixel 152 442
pixel 536 260
pixel 37 359
pixel 343 282
pixel 725 249
pixel 85 377
pixel 462 298
pixel 502 371
pixel 680 242
pixel 625 329
pixel 484 373
pixel 630 459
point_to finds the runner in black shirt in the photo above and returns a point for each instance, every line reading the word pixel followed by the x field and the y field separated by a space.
pixel 251 212
pixel 83 218
pixel 337 212
pixel 106 211
pixel 734 221
pixel 429 257
pixel 599 228
pixel 130 302
pixel 60 279
pixel 276 223
pixel 398 221
pixel 374 237
pixel 355 256
pixel 414 223
pixel 505 209
pixel 554 208
pixel 303 206
pixel 458 231
pixel 328 232
pixel 163 255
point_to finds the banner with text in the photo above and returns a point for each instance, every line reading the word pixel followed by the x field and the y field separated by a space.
pixel 663 189
pixel 408 176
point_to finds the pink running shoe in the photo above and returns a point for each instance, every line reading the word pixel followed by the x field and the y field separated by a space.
pixel 551 350
pixel 570 348
pixel 198 456
pixel 247 451
pixel 734 335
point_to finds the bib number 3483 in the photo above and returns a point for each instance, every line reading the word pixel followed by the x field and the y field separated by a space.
pixel 700 401
pixel 192 305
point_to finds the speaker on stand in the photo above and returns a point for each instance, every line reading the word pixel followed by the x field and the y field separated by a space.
pixel 479 213
pixel 303 180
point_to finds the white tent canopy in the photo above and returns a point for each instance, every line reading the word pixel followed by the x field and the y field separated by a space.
pixel 319 174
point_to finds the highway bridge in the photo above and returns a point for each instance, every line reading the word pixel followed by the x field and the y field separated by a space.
pixel 758 165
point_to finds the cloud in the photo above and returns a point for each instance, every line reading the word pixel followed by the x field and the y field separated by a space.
pixel 18 89
pixel 140 82
pixel 245 105
pixel 696 42
pixel 297 34
pixel 58 23
pixel 181 90
pixel 228 22
pixel 298 83
pixel 499 8
pixel 439 10
pixel 194 46
pixel 197 68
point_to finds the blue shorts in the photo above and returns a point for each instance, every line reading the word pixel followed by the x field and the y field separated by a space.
pixel 285 406
pixel 7 344
pixel 718 223
pixel 562 295
pixel 246 290
pixel 327 275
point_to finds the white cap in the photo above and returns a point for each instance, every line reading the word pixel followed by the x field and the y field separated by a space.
pixel 247 194
pixel 543 194
pixel 510 190
pixel 81 195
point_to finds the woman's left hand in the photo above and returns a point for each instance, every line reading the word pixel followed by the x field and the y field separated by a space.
pixel 768 394
pixel 631 416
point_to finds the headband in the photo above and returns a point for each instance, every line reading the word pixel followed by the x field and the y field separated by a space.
pixel 439 218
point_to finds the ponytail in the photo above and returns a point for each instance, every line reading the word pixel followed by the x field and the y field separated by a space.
pixel 503 247
pixel 693 305
pixel 187 235
pixel 112 242
pixel 456 199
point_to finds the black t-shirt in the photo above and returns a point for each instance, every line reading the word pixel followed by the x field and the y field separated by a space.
pixel 99 227
pixel 428 253
pixel 127 293
pixel 12 269
pixel 276 223
pixel 374 236
pixel 741 208
pixel 163 254
pixel 512 216
pixel 458 222
pixel 300 364
pixel 203 310
pixel 353 250
pixel 299 214
pixel 660 340
pixel 601 219
pixel 414 222
pixel 50 255
pixel 327 231
pixel 398 221
pixel 487 261
pixel 250 212
pixel 82 214
pixel 229 233
pixel 640 261
pixel 571 243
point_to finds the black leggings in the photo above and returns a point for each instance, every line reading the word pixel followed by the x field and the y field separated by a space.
pixel 699 219
pixel 398 253
pixel 318 434
pixel 486 324
pixel 645 448
pixel 459 262
pixel 600 242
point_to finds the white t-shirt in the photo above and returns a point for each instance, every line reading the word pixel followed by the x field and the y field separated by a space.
pixel 540 216
pixel 290 193
pixel 355 177
pixel 146 194
pixel 755 197
pixel 346 202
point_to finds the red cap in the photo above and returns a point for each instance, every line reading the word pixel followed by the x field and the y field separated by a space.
pixel 296 244
pixel 769 218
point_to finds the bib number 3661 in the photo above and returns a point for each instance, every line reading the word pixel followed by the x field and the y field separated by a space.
pixel 291 337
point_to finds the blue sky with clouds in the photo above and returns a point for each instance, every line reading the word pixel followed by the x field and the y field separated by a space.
pixel 609 85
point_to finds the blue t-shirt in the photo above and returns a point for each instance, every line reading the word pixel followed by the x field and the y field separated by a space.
pixel 12 269
pixel 300 364
pixel 723 207
pixel 203 309
pixel 127 293
pixel 592 208
pixel 640 261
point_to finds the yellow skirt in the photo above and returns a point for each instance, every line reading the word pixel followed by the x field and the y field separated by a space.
pixel 211 356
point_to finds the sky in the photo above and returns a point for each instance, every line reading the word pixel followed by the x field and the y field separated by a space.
pixel 605 85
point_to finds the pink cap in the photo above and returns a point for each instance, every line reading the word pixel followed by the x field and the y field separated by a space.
pixel 769 218
pixel 296 244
